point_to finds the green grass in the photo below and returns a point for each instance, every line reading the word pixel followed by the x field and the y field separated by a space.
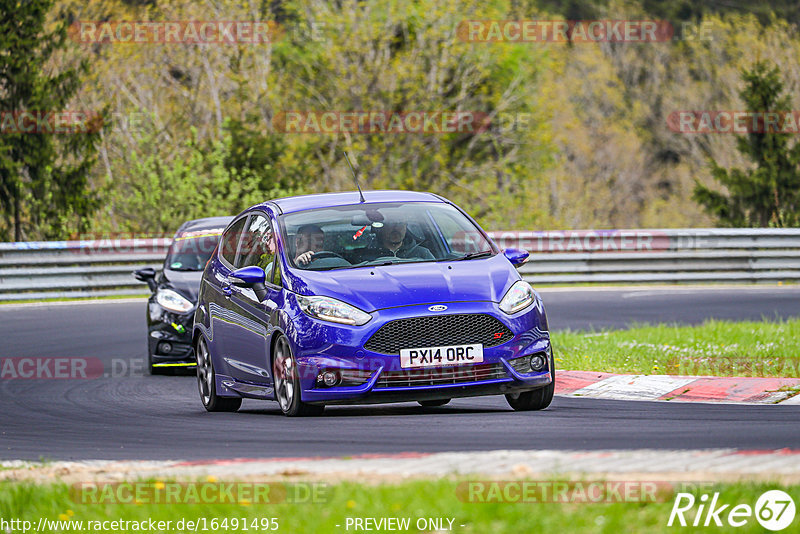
pixel 419 499
pixel 715 348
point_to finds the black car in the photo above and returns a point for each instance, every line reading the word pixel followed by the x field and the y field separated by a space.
pixel 170 309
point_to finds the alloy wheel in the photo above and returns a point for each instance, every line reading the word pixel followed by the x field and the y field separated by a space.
pixel 205 372
pixel 283 370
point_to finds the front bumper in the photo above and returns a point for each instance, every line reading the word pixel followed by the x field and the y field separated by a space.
pixel 369 394
pixel 341 349
pixel 169 337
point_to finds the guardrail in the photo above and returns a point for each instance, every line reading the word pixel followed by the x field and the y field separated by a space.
pixel 40 270
pixel 73 269
pixel 658 256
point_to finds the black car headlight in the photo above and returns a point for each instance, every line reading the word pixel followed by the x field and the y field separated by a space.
pixel 173 301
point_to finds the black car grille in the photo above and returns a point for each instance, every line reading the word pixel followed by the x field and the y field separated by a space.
pixel 441 375
pixel 437 331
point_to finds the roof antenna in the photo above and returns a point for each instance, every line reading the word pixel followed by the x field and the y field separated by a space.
pixel 355 177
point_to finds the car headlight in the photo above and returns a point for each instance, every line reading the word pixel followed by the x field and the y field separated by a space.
pixel 518 297
pixel 173 301
pixel 330 309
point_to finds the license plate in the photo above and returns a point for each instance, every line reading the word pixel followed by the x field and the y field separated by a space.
pixel 441 356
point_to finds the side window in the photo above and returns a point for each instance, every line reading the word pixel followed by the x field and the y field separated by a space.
pixel 258 245
pixel 230 240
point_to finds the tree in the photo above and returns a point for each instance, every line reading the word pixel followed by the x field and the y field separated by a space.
pixel 396 56
pixel 769 193
pixel 199 178
pixel 43 176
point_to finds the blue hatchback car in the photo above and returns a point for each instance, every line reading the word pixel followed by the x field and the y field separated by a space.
pixel 338 299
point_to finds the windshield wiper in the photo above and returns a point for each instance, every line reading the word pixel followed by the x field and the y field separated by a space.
pixel 473 255
pixel 363 264
pixel 334 268
pixel 387 262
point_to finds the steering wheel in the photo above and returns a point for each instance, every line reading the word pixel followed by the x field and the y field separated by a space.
pixel 322 254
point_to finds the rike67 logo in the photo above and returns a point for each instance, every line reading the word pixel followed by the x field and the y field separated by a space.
pixel 774 510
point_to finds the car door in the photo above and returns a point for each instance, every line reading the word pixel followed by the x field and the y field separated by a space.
pixel 217 291
pixel 248 354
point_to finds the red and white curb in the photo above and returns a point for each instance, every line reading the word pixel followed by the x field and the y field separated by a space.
pixel 686 465
pixel 678 388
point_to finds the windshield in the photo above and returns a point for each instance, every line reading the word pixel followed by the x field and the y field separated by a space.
pixel 380 234
pixel 192 252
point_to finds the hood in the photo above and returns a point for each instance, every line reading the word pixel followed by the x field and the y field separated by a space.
pixel 187 283
pixel 411 284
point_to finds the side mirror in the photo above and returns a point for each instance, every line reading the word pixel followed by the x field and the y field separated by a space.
pixel 148 275
pixel 516 256
pixel 253 277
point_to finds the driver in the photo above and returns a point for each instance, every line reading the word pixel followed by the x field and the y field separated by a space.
pixel 309 240
pixel 392 239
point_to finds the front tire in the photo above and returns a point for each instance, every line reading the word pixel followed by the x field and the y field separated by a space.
pixel 206 383
pixel 287 383
pixel 538 399
pixel 433 403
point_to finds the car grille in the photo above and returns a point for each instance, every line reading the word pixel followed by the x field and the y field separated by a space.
pixel 437 331
pixel 441 375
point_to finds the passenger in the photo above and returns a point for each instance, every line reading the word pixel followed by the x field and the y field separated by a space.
pixel 392 239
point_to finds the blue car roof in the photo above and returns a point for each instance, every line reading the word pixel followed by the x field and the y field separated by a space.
pixel 329 200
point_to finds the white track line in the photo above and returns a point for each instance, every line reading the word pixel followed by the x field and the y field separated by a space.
pixel 633 387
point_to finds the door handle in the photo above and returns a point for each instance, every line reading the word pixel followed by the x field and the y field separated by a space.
pixel 226 289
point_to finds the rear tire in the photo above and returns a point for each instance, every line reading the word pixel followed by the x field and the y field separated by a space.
pixel 538 399
pixel 287 383
pixel 206 383
pixel 433 403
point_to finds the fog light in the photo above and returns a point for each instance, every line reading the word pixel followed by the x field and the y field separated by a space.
pixel 330 378
pixel 537 362
pixel 165 348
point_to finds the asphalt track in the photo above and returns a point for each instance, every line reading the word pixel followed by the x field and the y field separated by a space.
pixel 132 416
